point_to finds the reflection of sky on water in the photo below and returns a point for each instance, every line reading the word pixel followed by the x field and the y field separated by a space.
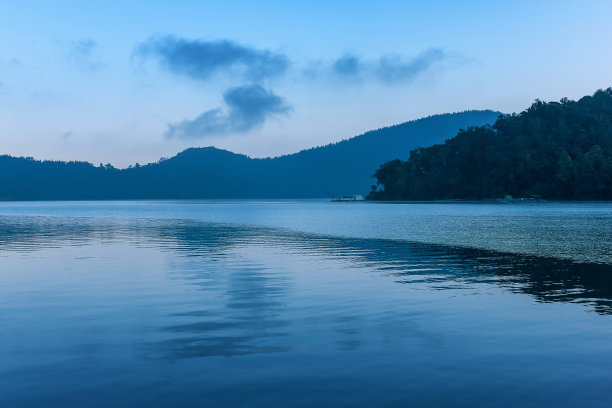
pixel 257 315
pixel 439 267
pixel 579 231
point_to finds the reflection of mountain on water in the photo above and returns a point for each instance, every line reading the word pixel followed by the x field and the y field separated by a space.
pixel 546 279
pixel 240 303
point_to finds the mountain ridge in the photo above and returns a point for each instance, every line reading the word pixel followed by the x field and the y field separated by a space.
pixel 340 168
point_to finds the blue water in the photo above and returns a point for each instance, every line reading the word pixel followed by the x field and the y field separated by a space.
pixel 305 303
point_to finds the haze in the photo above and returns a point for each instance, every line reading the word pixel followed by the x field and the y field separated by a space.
pixel 120 84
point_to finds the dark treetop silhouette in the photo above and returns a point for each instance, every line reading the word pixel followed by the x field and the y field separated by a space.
pixel 332 170
pixel 556 150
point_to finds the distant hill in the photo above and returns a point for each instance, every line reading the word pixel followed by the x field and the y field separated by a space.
pixel 343 168
pixel 557 150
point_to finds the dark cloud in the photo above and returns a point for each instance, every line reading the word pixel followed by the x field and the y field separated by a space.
pixel 349 65
pixel 82 52
pixel 388 68
pixel 247 108
pixel 202 59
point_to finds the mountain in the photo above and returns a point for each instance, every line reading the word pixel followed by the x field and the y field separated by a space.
pixel 343 168
pixel 557 150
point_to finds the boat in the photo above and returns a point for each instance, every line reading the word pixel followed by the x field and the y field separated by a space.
pixel 356 197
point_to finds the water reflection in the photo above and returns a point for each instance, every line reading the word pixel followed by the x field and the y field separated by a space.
pixel 254 290
pixel 242 302
pixel 242 324
pixel 546 279
pixel 442 267
pixel 100 309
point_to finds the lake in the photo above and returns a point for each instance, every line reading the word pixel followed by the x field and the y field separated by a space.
pixel 303 303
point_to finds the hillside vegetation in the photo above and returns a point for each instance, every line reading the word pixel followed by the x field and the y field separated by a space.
pixel 557 150
pixel 343 168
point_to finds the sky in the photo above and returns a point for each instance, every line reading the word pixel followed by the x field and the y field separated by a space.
pixel 122 82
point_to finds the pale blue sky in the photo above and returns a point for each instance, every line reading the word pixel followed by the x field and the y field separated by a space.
pixel 122 82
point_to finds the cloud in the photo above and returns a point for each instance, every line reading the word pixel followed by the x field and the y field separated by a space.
pixel 82 51
pixel 42 96
pixel 388 68
pixel 393 68
pixel 67 134
pixel 248 107
pixel 11 62
pixel 348 65
pixel 201 60
pixel 83 47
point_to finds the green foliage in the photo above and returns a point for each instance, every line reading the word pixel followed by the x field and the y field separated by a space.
pixel 558 150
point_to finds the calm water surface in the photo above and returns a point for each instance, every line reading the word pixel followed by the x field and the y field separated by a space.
pixel 305 303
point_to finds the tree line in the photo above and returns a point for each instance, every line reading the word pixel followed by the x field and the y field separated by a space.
pixel 556 150
pixel 342 168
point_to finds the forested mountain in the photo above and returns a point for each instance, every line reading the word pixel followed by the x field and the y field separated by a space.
pixel 557 150
pixel 333 170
